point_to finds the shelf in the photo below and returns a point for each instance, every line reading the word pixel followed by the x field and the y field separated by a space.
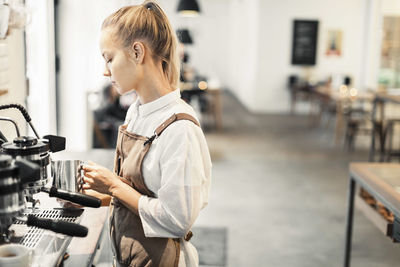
pixel 378 220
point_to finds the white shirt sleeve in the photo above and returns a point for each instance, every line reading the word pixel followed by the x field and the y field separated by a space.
pixel 185 180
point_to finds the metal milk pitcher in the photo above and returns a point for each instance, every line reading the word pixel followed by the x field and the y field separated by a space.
pixel 67 174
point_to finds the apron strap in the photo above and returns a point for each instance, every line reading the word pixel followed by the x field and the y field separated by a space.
pixel 172 119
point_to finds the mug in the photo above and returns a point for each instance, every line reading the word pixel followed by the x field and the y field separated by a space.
pixel 67 174
pixel 15 255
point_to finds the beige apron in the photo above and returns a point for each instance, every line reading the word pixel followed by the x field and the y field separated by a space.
pixel 130 245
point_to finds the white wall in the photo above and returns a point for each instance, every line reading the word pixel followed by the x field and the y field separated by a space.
pixel 41 66
pixel 390 7
pixel 13 61
pixel 243 49
pixel 246 44
pixel 275 40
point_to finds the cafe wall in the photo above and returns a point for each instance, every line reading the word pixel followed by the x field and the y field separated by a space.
pixel 249 45
pixel 12 79
pixel 274 37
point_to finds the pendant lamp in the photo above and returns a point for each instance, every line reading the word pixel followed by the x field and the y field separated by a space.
pixel 184 36
pixel 188 8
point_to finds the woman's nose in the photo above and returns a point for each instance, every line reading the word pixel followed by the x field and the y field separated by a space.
pixel 106 73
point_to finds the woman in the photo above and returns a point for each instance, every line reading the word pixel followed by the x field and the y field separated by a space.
pixel 162 168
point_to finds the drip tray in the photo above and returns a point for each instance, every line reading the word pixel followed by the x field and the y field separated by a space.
pixel 48 247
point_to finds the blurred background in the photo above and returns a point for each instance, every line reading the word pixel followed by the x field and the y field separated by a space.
pixel 288 93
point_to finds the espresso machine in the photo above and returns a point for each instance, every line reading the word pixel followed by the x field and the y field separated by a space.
pixel 24 182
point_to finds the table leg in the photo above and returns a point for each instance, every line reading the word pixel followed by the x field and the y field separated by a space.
pixel 349 222
pixel 339 122
pixel 374 130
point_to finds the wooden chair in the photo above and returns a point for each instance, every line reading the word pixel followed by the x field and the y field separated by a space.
pixel 298 91
pixel 357 122
pixel 389 150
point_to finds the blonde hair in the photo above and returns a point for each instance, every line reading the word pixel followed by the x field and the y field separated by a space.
pixel 148 23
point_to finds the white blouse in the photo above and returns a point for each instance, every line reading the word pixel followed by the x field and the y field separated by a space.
pixel 177 169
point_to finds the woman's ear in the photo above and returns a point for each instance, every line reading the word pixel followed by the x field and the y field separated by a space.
pixel 138 51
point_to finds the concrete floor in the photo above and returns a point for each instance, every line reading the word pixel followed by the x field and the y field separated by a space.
pixel 280 186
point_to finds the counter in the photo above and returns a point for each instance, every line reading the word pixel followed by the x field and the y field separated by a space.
pixel 82 251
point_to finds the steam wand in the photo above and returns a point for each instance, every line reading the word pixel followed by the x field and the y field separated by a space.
pixel 24 113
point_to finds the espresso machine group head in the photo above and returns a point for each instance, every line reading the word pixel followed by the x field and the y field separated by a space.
pixel 34 149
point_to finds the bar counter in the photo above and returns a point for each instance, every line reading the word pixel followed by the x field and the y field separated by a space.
pixel 82 251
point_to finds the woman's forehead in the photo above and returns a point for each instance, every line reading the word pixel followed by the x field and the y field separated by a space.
pixel 107 40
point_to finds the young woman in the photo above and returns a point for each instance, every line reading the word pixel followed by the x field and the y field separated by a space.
pixel 162 168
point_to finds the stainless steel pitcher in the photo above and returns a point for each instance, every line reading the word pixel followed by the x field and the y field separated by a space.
pixel 67 174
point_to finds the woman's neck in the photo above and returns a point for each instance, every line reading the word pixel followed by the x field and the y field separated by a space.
pixel 153 86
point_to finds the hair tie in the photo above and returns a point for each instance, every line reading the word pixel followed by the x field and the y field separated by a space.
pixel 149 6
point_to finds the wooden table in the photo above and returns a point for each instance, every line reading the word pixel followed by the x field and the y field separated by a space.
pixel 380 98
pixel 216 106
pixel 340 99
pixel 214 96
pixel 382 181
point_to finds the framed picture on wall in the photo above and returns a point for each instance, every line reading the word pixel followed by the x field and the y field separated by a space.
pixel 334 43
pixel 304 45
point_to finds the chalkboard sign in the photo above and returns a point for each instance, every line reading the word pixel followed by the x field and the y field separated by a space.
pixel 304 48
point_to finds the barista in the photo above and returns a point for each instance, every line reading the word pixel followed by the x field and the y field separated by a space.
pixel 162 168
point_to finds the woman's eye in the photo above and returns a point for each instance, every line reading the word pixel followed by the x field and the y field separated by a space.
pixel 109 61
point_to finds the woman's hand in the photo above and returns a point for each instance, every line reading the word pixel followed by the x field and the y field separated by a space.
pixel 99 178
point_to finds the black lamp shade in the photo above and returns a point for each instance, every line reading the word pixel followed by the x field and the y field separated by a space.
pixel 184 36
pixel 188 7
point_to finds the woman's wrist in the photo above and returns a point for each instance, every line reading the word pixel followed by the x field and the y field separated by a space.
pixel 117 183
pixel 125 194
